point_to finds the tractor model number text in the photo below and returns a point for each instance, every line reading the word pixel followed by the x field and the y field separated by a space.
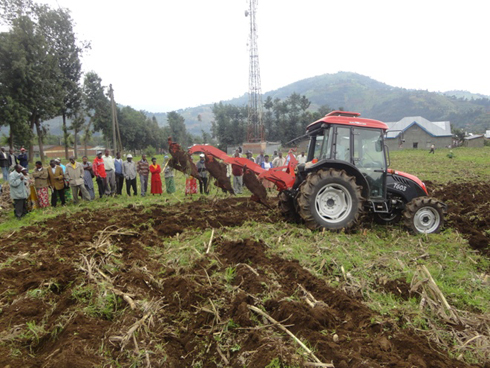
pixel 400 187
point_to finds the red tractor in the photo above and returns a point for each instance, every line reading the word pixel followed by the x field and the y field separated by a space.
pixel 345 175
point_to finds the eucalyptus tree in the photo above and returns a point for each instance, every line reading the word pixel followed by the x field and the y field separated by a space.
pixel 229 124
pixel 12 113
pixel 56 25
pixel 177 129
pixel 77 124
pixel 96 106
pixel 30 76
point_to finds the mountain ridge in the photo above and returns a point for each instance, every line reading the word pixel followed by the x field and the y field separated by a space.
pixel 372 98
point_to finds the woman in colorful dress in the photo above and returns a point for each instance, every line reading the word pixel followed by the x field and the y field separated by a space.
pixel 190 185
pixel 40 176
pixel 156 179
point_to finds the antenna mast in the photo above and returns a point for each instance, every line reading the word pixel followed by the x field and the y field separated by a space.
pixel 255 127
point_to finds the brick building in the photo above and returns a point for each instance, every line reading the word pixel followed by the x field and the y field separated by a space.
pixel 416 132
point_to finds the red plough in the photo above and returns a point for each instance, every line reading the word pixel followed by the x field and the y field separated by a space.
pixel 283 177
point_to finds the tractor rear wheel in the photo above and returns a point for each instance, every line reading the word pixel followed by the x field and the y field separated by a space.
pixel 287 209
pixel 424 215
pixel 330 199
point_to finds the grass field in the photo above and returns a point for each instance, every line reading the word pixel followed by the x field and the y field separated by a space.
pixel 466 165
pixel 433 286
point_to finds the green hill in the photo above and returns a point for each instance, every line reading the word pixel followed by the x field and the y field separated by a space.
pixel 373 99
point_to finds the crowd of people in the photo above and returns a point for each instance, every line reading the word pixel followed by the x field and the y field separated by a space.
pixel 59 183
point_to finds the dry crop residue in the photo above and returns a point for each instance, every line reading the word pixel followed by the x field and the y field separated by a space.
pixel 91 290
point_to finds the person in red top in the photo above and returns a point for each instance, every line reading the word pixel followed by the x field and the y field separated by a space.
pixel 156 180
pixel 99 172
pixel 237 172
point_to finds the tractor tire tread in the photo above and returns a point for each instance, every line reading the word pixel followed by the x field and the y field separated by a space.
pixel 307 190
pixel 417 203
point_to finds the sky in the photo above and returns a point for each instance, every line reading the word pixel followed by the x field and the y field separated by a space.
pixel 164 55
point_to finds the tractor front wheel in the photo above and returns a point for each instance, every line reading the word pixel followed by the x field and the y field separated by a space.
pixel 330 199
pixel 424 215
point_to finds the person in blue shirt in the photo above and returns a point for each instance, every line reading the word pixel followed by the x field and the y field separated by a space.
pixel 58 162
pixel 119 173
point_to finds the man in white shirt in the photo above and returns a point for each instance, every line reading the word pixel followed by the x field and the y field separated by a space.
pixel 129 173
pixel 279 160
pixel 110 172
pixel 301 158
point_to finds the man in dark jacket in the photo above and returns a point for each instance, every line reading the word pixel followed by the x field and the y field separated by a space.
pixel 56 182
pixel 203 172
pixel 23 159
pixel 12 159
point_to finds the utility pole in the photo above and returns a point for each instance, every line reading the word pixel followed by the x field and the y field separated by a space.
pixel 111 94
pixel 255 127
pixel 115 125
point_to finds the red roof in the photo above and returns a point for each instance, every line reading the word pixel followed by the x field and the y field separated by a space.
pixel 347 118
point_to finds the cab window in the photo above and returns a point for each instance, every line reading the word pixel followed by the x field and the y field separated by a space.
pixel 342 144
pixel 321 149
pixel 369 158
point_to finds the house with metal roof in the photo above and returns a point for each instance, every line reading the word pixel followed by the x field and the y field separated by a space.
pixel 474 140
pixel 416 132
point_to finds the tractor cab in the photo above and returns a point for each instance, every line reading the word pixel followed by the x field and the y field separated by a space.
pixel 344 140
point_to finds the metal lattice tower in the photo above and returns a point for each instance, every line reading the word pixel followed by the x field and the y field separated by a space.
pixel 255 127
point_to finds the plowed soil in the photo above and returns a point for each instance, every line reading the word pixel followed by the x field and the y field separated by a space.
pixel 468 210
pixel 90 290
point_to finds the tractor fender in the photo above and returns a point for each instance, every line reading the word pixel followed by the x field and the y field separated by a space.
pixel 350 169
pixel 404 187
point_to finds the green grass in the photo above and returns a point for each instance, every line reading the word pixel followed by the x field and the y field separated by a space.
pixel 468 164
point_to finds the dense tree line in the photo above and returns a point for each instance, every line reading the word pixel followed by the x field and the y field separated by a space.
pixel 40 70
pixel 41 78
pixel 283 120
